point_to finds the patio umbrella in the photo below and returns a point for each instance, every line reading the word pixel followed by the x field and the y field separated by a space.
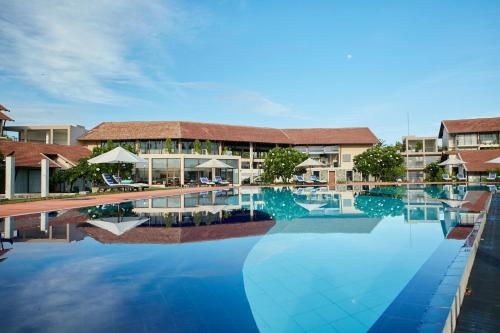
pixel 452 160
pixel 310 163
pixel 116 156
pixel 213 164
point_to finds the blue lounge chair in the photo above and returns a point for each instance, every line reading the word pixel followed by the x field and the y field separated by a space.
pixel 300 179
pixel 205 181
pixel 492 176
pixel 139 186
pixel 461 177
pixel 112 185
pixel 446 177
pixel 219 181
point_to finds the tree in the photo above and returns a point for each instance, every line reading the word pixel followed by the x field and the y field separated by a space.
pixel 197 146
pixel 434 172
pixel 92 172
pixel 382 162
pixel 281 162
pixel 168 145
pixel 208 144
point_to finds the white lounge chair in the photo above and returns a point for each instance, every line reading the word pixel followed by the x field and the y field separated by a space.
pixel 446 177
pixel 461 177
pixel 139 186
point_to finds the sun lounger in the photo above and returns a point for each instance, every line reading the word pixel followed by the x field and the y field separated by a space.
pixel 461 177
pixel 112 185
pixel 219 181
pixel 446 177
pixel 492 176
pixel 205 181
pixel 300 179
pixel 139 186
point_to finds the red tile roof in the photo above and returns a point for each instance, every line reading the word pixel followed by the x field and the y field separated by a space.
pixel 459 232
pixel 476 159
pixel 152 235
pixel 478 125
pixel 215 132
pixel 29 154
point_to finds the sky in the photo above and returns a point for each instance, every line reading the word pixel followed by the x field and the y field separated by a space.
pixel 282 64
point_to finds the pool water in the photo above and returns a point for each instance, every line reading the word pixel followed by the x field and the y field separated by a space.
pixel 241 260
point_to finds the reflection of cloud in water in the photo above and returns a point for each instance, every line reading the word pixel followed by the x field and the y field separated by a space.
pixel 53 297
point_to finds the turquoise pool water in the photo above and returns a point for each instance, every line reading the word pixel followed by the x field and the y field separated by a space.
pixel 245 260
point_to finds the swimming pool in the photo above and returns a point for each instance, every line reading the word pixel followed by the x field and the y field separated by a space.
pixel 245 260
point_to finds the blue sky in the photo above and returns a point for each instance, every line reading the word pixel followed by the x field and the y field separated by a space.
pixel 264 63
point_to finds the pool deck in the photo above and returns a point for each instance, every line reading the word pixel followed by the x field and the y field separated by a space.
pixel 480 311
pixel 22 208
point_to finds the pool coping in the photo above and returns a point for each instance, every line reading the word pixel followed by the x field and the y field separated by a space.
pixel 451 321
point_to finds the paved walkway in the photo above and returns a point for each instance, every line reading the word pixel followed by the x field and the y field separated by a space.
pixel 480 311
pixel 58 204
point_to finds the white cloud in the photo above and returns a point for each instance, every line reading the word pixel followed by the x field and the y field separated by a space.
pixel 82 50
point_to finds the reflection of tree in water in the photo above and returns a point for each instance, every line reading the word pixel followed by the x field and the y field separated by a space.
pixel 122 210
pixel 436 191
pixel 379 206
pixel 389 190
pixel 279 203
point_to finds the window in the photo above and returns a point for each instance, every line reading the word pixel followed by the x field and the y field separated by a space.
pixel 346 157
pixel 245 165
pixel 488 138
pixel 166 171
pixel 466 139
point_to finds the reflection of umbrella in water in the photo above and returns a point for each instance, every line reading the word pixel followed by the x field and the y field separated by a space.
pixel 310 206
pixel 453 203
pixel 118 225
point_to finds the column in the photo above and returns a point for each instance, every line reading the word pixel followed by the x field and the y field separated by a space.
pixel 44 222
pixel 182 171
pixel 47 137
pixel 150 171
pixel 25 135
pixel 220 148
pixel 51 136
pixel 251 162
pixel 44 188
pixel 10 174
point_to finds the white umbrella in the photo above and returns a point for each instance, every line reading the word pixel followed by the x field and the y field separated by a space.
pixel 118 225
pixel 452 160
pixel 117 155
pixel 310 163
pixel 213 164
pixel 495 160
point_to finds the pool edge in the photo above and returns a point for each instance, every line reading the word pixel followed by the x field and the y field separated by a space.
pixel 451 320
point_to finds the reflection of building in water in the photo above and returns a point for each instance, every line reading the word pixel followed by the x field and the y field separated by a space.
pixel 190 217
pixel 420 207
pixel 44 227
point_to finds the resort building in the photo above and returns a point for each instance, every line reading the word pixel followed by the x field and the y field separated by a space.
pixel 174 149
pixel 3 120
pixel 50 134
pixel 419 152
pixel 470 134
